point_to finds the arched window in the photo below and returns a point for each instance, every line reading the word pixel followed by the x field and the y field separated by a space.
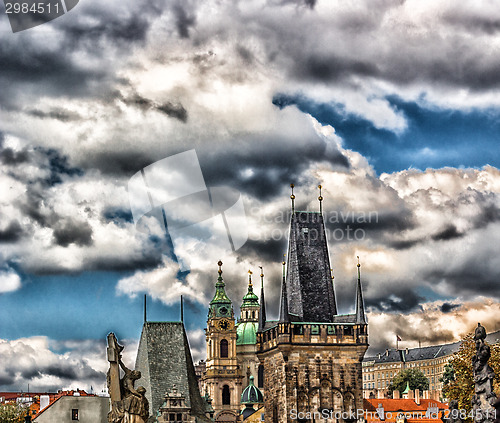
pixel 224 348
pixel 226 394
pixel 260 376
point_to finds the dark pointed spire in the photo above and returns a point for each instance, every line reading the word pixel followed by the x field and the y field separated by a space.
pixel 293 198
pixel 360 306
pixel 182 310
pixel 320 198
pixel 262 311
pixel 145 314
pixel 284 316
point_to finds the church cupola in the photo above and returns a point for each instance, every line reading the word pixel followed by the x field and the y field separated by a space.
pixel 221 305
pixel 250 306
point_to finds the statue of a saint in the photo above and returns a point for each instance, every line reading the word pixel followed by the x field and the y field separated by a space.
pixel 479 335
pixel 128 404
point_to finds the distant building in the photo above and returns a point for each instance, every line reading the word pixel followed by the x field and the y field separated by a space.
pixel 70 408
pixel 380 369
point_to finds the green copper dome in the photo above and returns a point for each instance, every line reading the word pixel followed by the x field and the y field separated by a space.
pixel 251 394
pixel 246 333
pixel 250 299
pixel 220 305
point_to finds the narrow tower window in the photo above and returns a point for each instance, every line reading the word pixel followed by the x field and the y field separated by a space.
pixel 226 394
pixel 224 349
pixel 260 376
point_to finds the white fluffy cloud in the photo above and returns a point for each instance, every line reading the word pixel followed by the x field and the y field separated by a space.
pixel 9 281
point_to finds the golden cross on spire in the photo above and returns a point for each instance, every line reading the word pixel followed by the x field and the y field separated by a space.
pixel 220 267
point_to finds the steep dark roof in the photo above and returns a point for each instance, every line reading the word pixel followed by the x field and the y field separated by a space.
pixel 425 353
pixel 164 359
pixel 309 287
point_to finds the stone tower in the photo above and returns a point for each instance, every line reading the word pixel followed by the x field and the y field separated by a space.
pixel 222 378
pixel 312 355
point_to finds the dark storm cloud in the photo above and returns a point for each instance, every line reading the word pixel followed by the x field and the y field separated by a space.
pixel 60 114
pixel 99 24
pixel 472 21
pixel 400 300
pixel 42 69
pixel 120 162
pixel 174 110
pixel 379 225
pixel 269 250
pixel 425 332
pixel 12 233
pixel 332 68
pixel 403 244
pixel 184 19
pixel 447 307
pixel 73 232
pixel 10 157
pixel 448 232
pixel 472 275
pixel 104 31
pixel 273 165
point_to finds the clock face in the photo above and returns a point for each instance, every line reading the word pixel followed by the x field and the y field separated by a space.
pixel 224 324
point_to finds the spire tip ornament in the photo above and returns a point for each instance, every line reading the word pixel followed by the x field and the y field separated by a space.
pixel 320 198
pixel 293 198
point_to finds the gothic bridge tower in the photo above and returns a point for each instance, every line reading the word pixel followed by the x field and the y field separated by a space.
pixel 312 355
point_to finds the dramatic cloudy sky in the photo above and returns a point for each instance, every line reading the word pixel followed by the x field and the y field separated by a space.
pixel 392 105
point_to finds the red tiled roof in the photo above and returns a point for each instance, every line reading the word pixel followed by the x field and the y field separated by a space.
pixel 392 408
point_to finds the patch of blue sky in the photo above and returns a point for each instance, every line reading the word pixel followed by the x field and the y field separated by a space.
pixel 434 137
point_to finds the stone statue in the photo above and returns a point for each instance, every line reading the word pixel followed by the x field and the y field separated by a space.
pixel 128 404
pixel 484 398
pixel 479 335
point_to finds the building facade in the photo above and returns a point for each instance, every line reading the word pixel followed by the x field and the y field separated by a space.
pixel 84 409
pixel 380 369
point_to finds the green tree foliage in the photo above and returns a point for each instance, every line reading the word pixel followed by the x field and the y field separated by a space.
pixel 12 413
pixel 462 388
pixel 414 377
pixel 448 375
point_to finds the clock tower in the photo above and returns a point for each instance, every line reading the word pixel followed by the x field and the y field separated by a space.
pixel 222 379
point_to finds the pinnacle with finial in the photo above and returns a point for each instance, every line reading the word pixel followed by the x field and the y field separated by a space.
pixel 320 198
pixel 293 198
